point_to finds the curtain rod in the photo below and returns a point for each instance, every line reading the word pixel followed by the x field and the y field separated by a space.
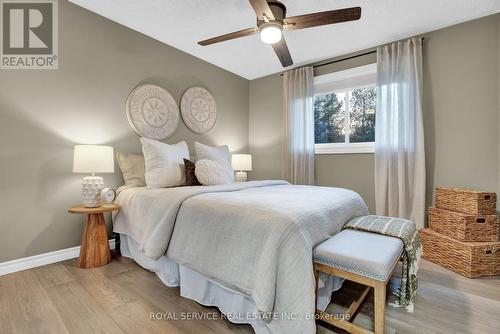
pixel 339 60
pixel 347 58
pixel 344 59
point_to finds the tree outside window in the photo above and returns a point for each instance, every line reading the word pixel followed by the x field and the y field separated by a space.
pixel 329 118
pixel 350 112
pixel 362 115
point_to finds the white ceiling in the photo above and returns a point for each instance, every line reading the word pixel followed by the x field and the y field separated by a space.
pixel 181 23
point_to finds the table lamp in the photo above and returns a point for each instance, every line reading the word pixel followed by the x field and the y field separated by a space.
pixel 241 164
pixel 92 159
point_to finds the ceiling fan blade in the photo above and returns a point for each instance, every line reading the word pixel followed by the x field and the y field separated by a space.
pixel 227 37
pixel 261 7
pixel 283 53
pixel 322 18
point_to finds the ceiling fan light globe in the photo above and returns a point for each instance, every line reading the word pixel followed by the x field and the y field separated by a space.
pixel 271 34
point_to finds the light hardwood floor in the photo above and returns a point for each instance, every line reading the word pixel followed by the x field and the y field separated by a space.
pixel 119 298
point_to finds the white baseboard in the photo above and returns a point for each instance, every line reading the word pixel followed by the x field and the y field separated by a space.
pixel 43 259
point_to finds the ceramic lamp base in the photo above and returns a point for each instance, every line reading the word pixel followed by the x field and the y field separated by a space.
pixel 241 177
pixel 91 190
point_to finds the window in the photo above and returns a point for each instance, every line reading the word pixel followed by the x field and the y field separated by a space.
pixel 344 111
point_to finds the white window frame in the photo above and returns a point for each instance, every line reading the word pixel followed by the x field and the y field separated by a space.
pixel 343 82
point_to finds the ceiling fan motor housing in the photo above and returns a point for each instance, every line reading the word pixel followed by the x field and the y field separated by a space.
pixel 279 12
pixel 278 9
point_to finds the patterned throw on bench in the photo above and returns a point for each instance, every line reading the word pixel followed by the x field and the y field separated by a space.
pixel 406 231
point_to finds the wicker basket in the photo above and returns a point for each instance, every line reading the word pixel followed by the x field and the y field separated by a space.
pixel 475 203
pixel 462 226
pixel 470 259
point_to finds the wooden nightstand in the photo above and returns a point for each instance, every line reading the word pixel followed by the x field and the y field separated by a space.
pixel 94 251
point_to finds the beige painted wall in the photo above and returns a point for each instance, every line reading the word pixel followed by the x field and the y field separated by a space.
pixel 44 113
pixel 461 116
pixel 265 127
pixel 461 106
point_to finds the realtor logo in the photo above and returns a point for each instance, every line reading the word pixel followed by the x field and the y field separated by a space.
pixel 29 38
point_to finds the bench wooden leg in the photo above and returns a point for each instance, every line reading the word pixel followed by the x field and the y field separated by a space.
pixel 379 289
pixel 353 309
pixel 343 324
pixel 379 310
pixel 316 281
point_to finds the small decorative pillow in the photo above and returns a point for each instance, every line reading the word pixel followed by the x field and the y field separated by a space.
pixel 133 169
pixel 191 179
pixel 164 163
pixel 214 172
pixel 212 152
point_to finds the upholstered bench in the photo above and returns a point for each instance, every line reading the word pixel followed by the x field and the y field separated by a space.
pixel 362 257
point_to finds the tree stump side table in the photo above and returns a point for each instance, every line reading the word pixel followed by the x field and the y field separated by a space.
pixel 94 251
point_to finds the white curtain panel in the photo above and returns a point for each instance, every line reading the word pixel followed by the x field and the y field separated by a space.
pixel 298 116
pixel 399 132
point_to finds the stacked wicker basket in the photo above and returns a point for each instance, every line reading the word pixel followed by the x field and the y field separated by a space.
pixel 463 232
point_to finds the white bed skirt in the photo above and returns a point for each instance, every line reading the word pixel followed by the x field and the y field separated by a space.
pixel 238 308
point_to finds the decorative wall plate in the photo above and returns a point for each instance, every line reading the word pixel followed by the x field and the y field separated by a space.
pixel 198 109
pixel 152 112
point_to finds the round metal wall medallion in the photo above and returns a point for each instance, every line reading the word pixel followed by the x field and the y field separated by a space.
pixel 198 109
pixel 152 112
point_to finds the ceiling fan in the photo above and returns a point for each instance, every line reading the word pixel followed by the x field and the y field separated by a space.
pixel 272 20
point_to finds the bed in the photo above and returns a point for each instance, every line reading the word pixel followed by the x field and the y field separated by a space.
pixel 245 247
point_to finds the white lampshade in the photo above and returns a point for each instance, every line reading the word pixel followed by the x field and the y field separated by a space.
pixel 270 33
pixel 242 162
pixel 93 159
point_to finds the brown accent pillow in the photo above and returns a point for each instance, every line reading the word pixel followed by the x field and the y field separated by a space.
pixel 191 179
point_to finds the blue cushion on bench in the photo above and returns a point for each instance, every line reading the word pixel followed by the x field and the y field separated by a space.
pixel 367 254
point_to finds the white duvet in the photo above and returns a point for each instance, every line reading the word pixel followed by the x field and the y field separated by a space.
pixel 254 237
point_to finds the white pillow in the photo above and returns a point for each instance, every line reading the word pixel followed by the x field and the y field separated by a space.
pixel 212 152
pixel 214 172
pixel 164 163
